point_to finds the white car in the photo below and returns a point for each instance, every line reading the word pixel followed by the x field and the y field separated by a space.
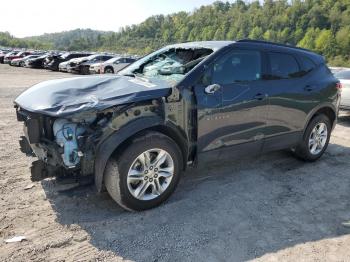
pixel 344 77
pixel 112 65
pixel 62 67
pixel 96 68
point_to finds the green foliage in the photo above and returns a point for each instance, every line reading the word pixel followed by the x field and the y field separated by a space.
pixel 320 25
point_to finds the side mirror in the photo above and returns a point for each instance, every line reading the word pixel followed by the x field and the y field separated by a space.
pixel 211 89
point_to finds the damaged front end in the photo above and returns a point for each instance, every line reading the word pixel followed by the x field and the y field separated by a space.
pixel 64 120
pixel 74 125
pixel 67 147
pixel 63 146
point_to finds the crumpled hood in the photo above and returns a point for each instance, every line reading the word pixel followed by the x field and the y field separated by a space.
pixel 67 96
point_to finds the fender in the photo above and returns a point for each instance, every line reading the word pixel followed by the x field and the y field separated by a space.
pixel 317 108
pixel 106 148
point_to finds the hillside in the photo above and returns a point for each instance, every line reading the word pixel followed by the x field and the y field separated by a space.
pixel 78 39
pixel 320 25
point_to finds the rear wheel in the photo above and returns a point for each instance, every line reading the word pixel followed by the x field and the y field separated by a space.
pixel 146 173
pixel 316 139
pixel 109 70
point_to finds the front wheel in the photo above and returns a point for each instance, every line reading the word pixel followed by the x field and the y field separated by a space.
pixel 316 139
pixel 146 173
pixel 109 70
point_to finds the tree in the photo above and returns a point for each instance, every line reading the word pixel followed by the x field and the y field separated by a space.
pixel 320 25
pixel 324 43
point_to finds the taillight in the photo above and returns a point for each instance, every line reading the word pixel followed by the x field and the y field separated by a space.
pixel 339 86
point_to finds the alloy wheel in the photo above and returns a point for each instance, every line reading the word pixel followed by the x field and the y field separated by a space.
pixel 150 174
pixel 318 138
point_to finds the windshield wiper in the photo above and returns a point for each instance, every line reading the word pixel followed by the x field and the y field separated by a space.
pixel 139 76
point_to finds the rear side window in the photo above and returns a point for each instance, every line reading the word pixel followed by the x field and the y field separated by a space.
pixel 283 66
pixel 237 66
pixel 105 58
pixel 307 64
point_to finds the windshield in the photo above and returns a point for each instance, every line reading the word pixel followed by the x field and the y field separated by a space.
pixel 30 56
pixel 343 74
pixel 90 57
pixel 12 53
pixel 169 64
pixel 65 55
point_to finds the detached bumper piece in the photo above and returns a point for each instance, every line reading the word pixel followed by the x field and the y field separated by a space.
pixel 33 129
pixel 40 170
pixel 25 147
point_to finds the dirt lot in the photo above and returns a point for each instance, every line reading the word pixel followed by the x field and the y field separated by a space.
pixel 270 208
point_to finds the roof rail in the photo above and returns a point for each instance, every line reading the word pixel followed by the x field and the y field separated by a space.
pixel 271 43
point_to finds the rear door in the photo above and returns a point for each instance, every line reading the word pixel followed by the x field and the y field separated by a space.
pixel 293 92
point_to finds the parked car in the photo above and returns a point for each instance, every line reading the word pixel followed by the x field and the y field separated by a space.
pixel 112 65
pixel 3 53
pixel 82 65
pixel 9 57
pixel 344 77
pixel 21 61
pixel 137 131
pixel 62 67
pixel 37 62
pixel 53 61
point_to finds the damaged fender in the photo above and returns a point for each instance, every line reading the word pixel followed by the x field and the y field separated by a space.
pixel 106 148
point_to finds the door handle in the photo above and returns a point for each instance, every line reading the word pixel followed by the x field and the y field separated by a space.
pixel 211 89
pixel 309 88
pixel 260 96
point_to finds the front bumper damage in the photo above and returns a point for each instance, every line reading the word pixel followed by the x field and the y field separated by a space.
pixel 59 152
pixel 66 120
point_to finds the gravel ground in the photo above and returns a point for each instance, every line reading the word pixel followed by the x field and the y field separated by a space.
pixel 270 208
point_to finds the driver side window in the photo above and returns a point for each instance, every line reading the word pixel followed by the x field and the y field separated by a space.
pixel 237 66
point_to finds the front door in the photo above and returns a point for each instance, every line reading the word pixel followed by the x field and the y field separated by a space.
pixel 232 105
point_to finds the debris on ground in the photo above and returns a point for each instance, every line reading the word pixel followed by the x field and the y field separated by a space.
pixel 15 239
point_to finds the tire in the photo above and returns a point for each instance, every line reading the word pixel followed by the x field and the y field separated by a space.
pixel 109 70
pixel 303 150
pixel 118 169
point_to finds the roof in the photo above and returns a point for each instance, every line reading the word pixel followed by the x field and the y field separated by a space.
pixel 317 58
pixel 215 45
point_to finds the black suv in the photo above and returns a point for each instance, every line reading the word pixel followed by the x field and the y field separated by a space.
pixel 52 62
pixel 136 132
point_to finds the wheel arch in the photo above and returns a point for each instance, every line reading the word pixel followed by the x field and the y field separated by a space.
pixel 108 67
pixel 121 138
pixel 327 109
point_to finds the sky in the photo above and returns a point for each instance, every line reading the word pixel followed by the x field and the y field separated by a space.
pixel 34 17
